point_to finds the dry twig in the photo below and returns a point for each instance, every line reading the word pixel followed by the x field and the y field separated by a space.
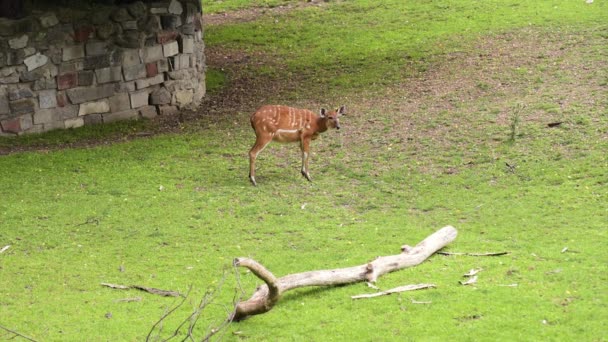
pixel 395 290
pixel 475 254
pixel 17 333
pixel 165 293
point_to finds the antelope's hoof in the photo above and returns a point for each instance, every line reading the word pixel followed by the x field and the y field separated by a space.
pixel 252 179
pixel 307 176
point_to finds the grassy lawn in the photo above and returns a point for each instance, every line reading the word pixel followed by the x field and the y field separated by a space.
pixel 491 116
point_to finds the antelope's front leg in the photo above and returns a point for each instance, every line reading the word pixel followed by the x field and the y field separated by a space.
pixel 305 146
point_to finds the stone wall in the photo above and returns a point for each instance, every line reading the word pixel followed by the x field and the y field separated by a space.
pixel 68 68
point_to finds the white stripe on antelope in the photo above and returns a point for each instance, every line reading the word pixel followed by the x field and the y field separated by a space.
pixel 286 124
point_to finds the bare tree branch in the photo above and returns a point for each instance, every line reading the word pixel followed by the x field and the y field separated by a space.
pixel 266 296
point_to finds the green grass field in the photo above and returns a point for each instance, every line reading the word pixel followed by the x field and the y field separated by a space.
pixel 489 116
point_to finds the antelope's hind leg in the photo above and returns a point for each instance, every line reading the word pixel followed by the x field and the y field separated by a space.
pixel 260 144
pixel 305 146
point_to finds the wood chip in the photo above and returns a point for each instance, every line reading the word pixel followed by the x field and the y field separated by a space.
pixel 471 281
pixel 114 286
pixel 472 272
pixel 395 290
pixel 372 286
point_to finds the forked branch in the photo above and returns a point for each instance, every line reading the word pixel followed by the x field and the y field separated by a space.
pixel 266 296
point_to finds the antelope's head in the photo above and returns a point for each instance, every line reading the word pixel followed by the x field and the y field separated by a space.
pixel 331 118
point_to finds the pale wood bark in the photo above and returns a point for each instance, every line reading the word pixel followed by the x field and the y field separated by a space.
pixel 266 296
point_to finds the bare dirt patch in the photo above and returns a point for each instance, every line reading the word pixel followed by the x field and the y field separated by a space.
pixel 254 13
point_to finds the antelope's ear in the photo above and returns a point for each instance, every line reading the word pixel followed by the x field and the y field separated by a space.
pixel 323 112
pixel 342 110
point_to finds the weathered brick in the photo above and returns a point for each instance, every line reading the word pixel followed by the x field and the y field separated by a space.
pixel 62 99
pixel 181 62
pixel 95 107
pixel 46 71
pixel 48 20
pixel 47 98
pixel 96 62
pixel 130 57
pixel 164 37
pixel 163 65
pixel 86 77
pixel 167 110
pixel 73 65
pixel 150 81
pixel 170 49
pixel 72 52
pixel 48 127
pixel 4 108
pixel 86 94
pixel 45 83
pixel 134 72
pixel 82 33
pixel 125 87
pixel 24 106
pixel 10 79
pixel 110 74
pixel 151 69
pixel 35 61
pixel 139 98
pixel 170 22
pixel 17 125
pixel 129 25
pixel 121 14
pixel 153 53
pixel 96 48
pixel 92 119
pixel 137 9
pixel 120 102
pixel 45 116
pixel 175 7
pixel 18 42
pixel 74 123
pixel 19 92
pixel 67 80
pixel 105 30
pixel 160 96
pixel 130 114
pixel 183 97
pixel 15 57
pixel 148 112
pixel 187 44
pixel 182 74
pixel 150 24
pixel 157 8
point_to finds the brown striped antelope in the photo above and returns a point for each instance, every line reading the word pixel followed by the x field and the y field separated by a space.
pixel 286 124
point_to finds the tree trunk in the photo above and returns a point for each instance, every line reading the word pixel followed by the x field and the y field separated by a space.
pixel 266 296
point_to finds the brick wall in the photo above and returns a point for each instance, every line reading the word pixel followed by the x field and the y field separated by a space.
pixel 69 68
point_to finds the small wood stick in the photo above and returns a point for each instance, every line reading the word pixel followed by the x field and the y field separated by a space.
pixel 475 254
pixel 395 290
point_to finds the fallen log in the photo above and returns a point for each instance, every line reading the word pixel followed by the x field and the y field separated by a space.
pixel 266 296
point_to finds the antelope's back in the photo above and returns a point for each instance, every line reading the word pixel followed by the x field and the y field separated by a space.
pixel 271 118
